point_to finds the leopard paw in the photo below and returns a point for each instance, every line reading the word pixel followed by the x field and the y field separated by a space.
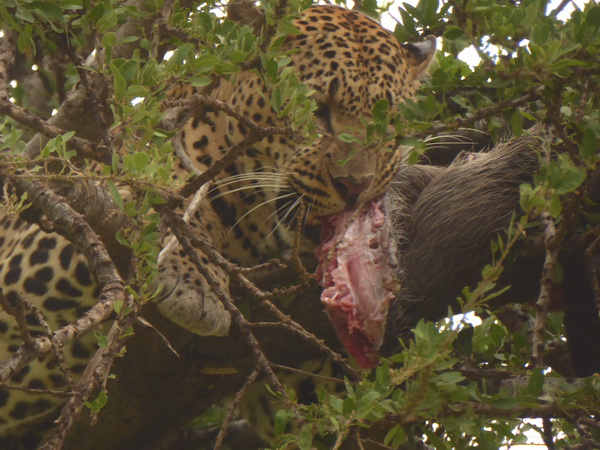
pixel 200 312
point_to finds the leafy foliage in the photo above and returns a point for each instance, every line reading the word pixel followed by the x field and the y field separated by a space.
pixel 533 68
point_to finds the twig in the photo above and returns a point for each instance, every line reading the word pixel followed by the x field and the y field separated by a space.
pixel 72 224
pixel 18 313
pixel 547 435
pixel 197 181
pixel 310 374
pixel 181 231
pixel 255 134
pixel 83 147
pixel 58 353
pixel 549 410
pixel 8 51
pixel 544 298
pixel 341 434
pixel 264 297
pixel 559 8
pixel 482 113
pixel 298 329
pixel 231 410
pixel 95 375
pixel 35 391
pixel 199 99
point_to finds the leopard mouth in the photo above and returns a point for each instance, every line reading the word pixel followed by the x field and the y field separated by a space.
pixel 358 273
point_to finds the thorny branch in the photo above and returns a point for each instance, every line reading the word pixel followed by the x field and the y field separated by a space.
pixel 83 147
pixel 236 315
pixel 59 355
pixel 546 282
pixel 199 99
pixel 256 134
pixel 18 312
pixel 112 292
pixel 544 298
pixel 551 410
pixel 69 222
pixel 231 410
pixel 483 113
pixel 95 376
pixel 264 297
pixel 90 381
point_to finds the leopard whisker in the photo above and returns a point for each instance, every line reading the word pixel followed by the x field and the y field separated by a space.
pixel 248 176
pixel 307 215
pixel 275 173
pixel 254 181
pixel 256 189
pixel 281 221
pixel 262 204
pixel 274 213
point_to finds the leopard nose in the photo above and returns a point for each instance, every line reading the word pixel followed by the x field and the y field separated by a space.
pixel 350 187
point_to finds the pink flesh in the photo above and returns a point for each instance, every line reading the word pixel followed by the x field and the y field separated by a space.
pixel 357 270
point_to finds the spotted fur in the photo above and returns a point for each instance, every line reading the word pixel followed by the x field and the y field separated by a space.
pixel 350 62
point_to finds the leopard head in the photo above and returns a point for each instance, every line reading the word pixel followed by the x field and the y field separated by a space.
pixel 349 62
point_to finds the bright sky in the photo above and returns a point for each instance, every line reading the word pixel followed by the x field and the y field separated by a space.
pixel 469 55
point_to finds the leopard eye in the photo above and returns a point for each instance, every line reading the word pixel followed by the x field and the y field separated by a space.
pixel 323 114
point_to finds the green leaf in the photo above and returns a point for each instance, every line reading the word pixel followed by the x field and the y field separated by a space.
pixel 536 382
pixel 453 33
pixel 395 437
pixel 109 39
pixel 98 403
pixel 554 206
pixel 407 21
pixel 276 100
pixel 24 41
pixel 306 438
pixel 348 405
pixel 380 109
pixel 128 69
pixel 337 404
pixel 119 84
pixel 450 377
pixel 118 306
pixel 593 17
pixel 102 340
pixel 51 10
pixel 116 196
pixel 505 403
pixel 128 39
pixel 570 175
pixel 140 161
pixel 516 123
pixel 347 137
pixel 200 81
pixel 24 14
pixel 97 12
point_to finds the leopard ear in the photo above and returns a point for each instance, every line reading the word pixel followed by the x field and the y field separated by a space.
pixel 245 12
pixel 420 54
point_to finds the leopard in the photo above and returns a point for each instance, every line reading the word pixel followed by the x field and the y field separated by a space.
pixel 349 62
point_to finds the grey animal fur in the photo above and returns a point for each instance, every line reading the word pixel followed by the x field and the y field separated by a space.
pixel 446 218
